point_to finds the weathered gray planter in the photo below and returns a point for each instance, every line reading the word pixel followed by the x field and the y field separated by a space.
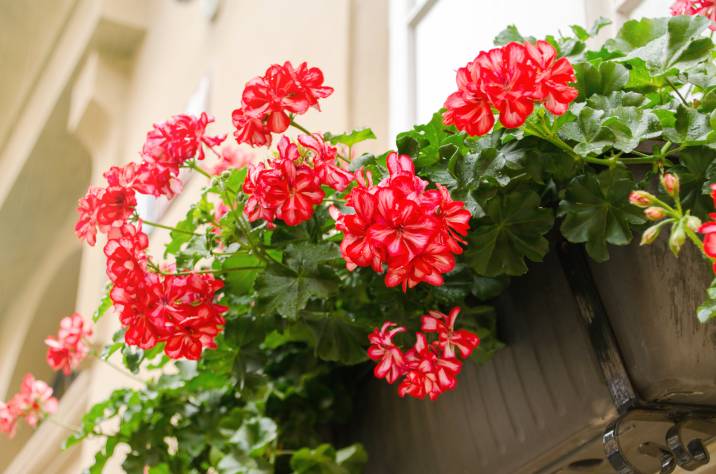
pixel 543 403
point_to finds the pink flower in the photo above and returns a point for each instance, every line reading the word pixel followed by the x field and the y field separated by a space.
pixel 69 348
pixel 232 157
pixel 35 400
pixel 706 8
pixel 9 415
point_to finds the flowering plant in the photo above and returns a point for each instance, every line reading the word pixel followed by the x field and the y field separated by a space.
pixel 291 273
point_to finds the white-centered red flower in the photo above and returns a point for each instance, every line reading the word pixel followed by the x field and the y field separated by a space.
pixel 511 79
pixel 428 369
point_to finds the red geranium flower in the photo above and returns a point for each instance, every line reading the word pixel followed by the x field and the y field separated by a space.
pixel 250 128
pixel 382 349
pixel 34 400
pixel 69 348
pixel 709 231
pixel 86 226
pixel 450 339
pixel 469 108
pixel 324 162
pixel 553 77
pixel 428 374
pixel 171 143
pixel 706 8
pixel 9 415
pixel 427 266
pixel 507 80
pixel 309 82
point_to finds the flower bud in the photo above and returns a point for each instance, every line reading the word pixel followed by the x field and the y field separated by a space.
pixel 677 238
pixel 654 213
pixel 693 223
pixel 670 182
pixel 641 198
pixel 650 235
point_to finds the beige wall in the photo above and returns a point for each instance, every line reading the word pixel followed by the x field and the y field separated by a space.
pixel 109 69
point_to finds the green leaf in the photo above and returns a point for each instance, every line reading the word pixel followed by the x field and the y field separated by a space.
pixel 352 138
pixel 664 44
pixel 513 230
pixel 427 143
pixel 287 293
pixel 325 460
pixel 186 228
pixel 336 338
pixel 508 35
pixel 696 170
pixel 240 282
pixel 707 310
pixel 691 128
pixel 603 79
pixel 104 305
pixel 255 435
pixel 597 211
pixel 589 133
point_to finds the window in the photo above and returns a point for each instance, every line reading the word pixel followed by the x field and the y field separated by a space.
pixel 430 39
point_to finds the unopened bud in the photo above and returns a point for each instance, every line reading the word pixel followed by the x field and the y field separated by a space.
pixel 641 198
pixel 650 235
pixel 677 238
pixel 693 223
pixel 654 213
pixel 670 182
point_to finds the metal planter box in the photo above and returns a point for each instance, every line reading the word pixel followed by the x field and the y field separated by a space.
pixel 599 357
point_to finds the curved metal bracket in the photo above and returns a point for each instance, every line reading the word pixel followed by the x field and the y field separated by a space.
pixel 689 456
pixel 613 449
pixel 667 462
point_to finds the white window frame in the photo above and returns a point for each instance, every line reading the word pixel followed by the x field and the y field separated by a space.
pixel 406 15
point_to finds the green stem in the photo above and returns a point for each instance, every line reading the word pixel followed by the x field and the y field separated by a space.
pixel 677 91
pixel 173 229
pixel 118 369
pixel 62 424
pixel 221 270
pixel 199 169
pixel 300 127
pixel 697 242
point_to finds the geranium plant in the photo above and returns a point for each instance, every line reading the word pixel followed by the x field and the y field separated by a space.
pixel 292 275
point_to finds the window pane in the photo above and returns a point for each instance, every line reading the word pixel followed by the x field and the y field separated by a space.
pixel 454 31
pixel 652 9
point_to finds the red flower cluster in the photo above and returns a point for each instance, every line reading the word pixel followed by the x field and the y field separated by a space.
pixel 510 79
pixel 428 368
pixel 32 402
pixel 167 147
pixel 69 348
pixel 269 101
pixel 706 8
pixel 176 309
pixel 289 186
pixel 709 231
pixel 415 231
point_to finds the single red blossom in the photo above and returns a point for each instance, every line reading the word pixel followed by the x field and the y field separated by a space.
pixel 382 349
pixel 286 189
pixel 708 229
pixel 121 176
pixel 116 204
pixel 9 415
pixel 427 266
pixel 324 162
pixel 310 82
pixel 403 228
pixel 274 94
pixel 427 374
pixel 469 108
pixel 133 307
pixel 181 138
pixel 454 220
pixel 358 248
pixel 250 128
pixel 508 81
pixel 86 226
pixel 552 77
pixel 157 181
pixel 126 256
pixel 450 340
pixel 35 400
pixel 67 350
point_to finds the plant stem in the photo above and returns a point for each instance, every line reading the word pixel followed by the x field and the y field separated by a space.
pixel 220 270
pixel 199 169
pixel 118 369
pixel 677 91
pixel 62 424
pixel 300 127
pixel 697 242
pixel 173 229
